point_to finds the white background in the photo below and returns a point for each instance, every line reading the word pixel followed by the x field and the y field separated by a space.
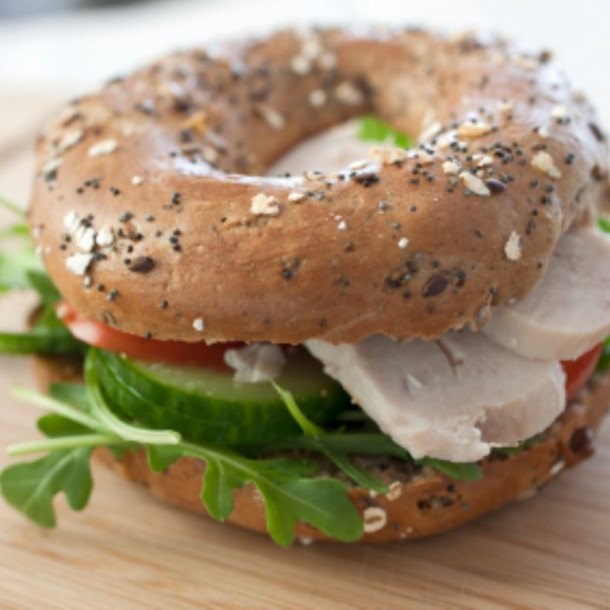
pixel 75 52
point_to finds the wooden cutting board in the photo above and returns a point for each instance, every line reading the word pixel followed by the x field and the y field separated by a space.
pixel 127 550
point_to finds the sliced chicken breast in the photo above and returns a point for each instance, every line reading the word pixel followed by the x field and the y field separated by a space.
pixel 451 399
pixel 569 310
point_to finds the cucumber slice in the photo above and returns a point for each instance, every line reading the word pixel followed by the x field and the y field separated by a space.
pixel 206 405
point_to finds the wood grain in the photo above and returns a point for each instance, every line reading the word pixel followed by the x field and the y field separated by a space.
pixel 128 551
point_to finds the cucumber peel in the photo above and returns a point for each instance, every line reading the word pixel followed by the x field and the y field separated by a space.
pixel 209 406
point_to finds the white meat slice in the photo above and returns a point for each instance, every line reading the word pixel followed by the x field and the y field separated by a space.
pixel 568 312
pixel 451 399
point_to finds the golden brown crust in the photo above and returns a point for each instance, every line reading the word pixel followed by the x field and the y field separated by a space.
pixel 229 273
pixel 431 503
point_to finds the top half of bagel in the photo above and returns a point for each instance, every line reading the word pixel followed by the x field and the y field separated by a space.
pixel 151 213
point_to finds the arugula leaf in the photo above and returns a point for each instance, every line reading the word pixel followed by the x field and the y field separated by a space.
pixel 289 496
pixel 42 284
pixel 314 433
pixel 103 413
pixel 334 446
pixel 366 443
pixel 15 267
pixel 465 471
pixel 57 426
pixel 161 457
pixel 21 269
pixel 31 487
pixel 73 394
pixel 604 361
pixel 82 420
pixel 604 224
pixel 375 130
pixel 40 340
pixel 290 493
pixel 306 425
pixel 20 230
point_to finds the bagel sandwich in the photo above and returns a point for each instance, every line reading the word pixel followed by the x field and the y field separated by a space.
pixel 330 285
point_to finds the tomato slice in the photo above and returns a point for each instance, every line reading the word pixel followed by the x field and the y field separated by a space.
pixel 578 371
pixel 140 348
pixel 182 352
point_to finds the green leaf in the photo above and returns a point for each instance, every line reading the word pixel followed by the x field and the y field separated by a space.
pixel 360 476
pixel 306 425
pixel 55 426
pixel 42 284
pixel 105 415
pixel 604 361
pixel 604 224
pixel 161 457
pixel 61 408
pixel 220 479
pixel 31 487
pixel 353 442
pixel 48 335
pixel 73 394
pixel 20 230
pixel 455 470
pixel 372 129
pixel 289 497
pixel 41 340
pixel 15 266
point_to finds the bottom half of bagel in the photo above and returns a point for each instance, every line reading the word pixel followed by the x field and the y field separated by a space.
pixel 420 502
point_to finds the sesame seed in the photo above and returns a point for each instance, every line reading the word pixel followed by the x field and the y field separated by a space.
pixel 70 139
pixel 49 169
pixel 137 180
pixel 295 197
pixel 388 156
pixel 356 165
pixel 559 112
pixel 512 248
pixel 105 147
pixel 527 63
pixel 430 132
pixel 199 324
pixel 543 132
pixel 543 162
pixel 271 116
pixel 474 184
pixel 473 130
pixel 403 242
